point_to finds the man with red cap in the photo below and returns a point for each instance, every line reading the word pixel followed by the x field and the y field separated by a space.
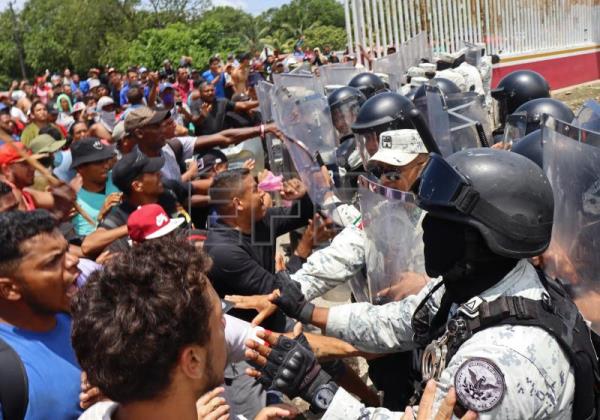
pixel 19 175
pixel 151 222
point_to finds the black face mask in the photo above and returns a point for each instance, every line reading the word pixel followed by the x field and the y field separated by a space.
pixel 459 254
pixel 444 245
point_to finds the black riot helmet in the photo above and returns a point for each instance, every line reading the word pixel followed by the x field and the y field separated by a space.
pixel 446 86
pixel 530 146
pixel 534 110
pixel 383 112
pixel 345 104
pixel 518 87
pixel 344 95
pixel 368 83
pixel 503 195
pixel 529 117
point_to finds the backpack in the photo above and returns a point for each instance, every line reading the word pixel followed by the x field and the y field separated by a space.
pixel 177 149
pixel 14 386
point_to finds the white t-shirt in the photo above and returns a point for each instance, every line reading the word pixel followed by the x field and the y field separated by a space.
pixel 102 410
pixel 16 112
pixel 171 169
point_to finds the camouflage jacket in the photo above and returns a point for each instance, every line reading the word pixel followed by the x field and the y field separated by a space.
pixel 504 372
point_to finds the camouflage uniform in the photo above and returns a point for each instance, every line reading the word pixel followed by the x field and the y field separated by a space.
pixel 485 69
pixel 336 264
pixel 533 376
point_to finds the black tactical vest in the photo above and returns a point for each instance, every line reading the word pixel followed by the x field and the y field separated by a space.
pixel 555 313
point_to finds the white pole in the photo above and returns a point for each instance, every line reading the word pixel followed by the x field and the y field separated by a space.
pixel 369 45
pixel 363 31
pixel 382 25
pixel 356 36
pixel 376 28
pixel 348 26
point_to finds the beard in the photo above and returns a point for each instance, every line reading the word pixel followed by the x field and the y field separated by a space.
pixel 214 377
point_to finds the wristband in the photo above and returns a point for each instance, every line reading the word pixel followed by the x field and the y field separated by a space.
pixel 262 131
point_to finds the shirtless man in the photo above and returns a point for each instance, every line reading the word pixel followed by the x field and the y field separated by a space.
pixel 240 75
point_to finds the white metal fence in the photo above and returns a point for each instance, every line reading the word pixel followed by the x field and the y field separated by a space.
pixel 507 27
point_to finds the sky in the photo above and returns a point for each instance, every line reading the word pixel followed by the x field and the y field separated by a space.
pixel 254 7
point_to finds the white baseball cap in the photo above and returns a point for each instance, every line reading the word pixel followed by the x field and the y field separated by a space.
pixel 398 147
pixel 415 71
pixel 104 101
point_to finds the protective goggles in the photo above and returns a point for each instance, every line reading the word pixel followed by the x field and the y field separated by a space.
pixel 442 185
pixel 378 173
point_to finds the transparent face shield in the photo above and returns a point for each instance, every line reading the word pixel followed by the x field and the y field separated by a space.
pixel 368 144
pixel 588 116
pixel 515 128
pixel 393 243
pixel 343 117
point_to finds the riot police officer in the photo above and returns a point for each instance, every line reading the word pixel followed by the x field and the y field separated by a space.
pixel 344 104
pixel 445 86
pixel 516 88
pixel 529 116
pixel 383 112
pixel 506 337
pixel 368 83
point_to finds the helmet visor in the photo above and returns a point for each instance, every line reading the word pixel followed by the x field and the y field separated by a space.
pixel 343 117
pixel 368 145
pixel 516 127
pixel 440 184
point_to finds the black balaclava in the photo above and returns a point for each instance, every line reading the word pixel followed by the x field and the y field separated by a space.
pixel 459 254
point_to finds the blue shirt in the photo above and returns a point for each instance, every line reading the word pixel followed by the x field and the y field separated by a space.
pixel 219 87
pixel 123 94
pixel 53 374
pixel 91 202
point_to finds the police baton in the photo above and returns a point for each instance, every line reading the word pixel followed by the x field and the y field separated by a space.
pixel 421 126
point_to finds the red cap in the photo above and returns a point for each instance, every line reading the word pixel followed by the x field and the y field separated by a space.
pixel 9 153
pixel 150 222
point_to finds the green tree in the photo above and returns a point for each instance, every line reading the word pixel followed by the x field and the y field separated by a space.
pixel 9 60
pixel 68 33
pixel 301 14
pixel 322 36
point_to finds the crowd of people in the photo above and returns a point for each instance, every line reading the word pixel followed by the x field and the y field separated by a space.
pixel 142 271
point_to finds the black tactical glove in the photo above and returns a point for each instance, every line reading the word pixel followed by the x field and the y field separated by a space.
pixel 291 300
pixel 292 369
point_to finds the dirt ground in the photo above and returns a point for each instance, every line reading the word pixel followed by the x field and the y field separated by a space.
pixel 576 96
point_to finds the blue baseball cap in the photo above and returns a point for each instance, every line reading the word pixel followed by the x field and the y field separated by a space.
pixel 165 86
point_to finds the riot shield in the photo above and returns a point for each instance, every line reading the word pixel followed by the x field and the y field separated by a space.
pixel 588 116
pixel 415 49
pixel 274 146
pixel 394 245
pixel 457 121
pixel 302 113
pixel 393 66
pixel 572 164
pixel 334 76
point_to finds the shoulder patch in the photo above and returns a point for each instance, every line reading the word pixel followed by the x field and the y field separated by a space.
pixel 479 384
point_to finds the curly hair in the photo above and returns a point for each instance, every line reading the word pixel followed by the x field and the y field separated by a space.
pixel 17 227
pixel 132 319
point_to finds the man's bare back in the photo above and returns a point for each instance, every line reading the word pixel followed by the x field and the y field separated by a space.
pixel 239 77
